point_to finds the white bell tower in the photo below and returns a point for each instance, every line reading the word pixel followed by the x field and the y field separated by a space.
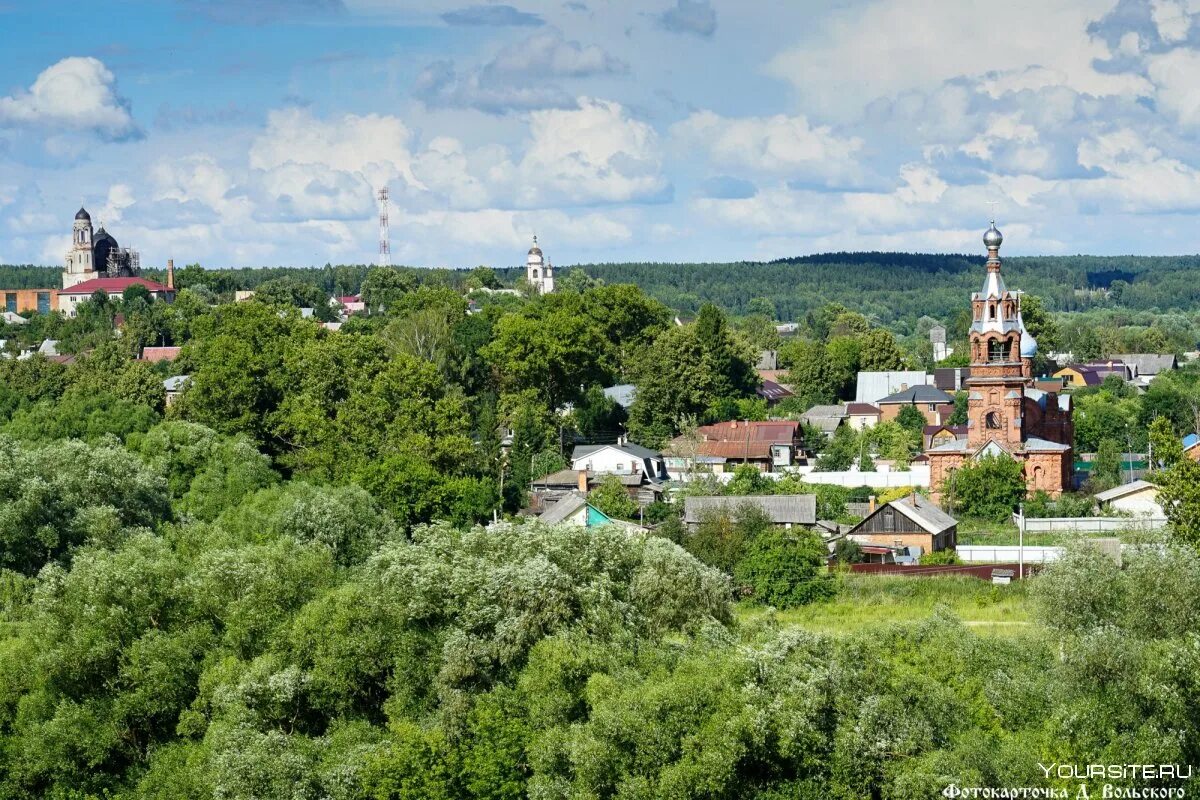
pixel 79 265
pixel 538 270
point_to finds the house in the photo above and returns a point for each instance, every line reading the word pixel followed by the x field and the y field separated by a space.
pixel 155 354
pixel 779 376
pixel 640 487
pixel 1148 365
pixel 826 419
pixel 173 386
pixel 349 304
pixel 934 404
pixel 13 318
pixel 619 459
pixel 1112 366
pixel 784 510
pixel 1077 376
pixel 722 447
pixel 772 392
pixel 1139 498
pixel 938 435
pixel 912 521
pixel 860 416
pixel 21 301
pixel 1191 446
pixel 70 298
pixel 574 509
pixel 874 386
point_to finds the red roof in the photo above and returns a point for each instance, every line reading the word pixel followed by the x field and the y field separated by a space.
pixel 348 299
pixel 862 410
pixel 113 286
pixel 154 354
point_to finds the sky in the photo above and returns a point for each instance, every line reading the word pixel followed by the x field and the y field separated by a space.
pixel 234 133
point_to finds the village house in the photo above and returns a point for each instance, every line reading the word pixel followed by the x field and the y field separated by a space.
pixel 773 392
pixel 173 386
pixel 937 435
pixel 934 404
pixel 622 458
pixel 912 521
pixel 574 509
pixel 861 416
pixel 722 447
pixel 1191 446
pixel 825 418
pixel 785 510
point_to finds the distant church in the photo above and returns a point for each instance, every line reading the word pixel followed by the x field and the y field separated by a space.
pixel 538 270
pixel 1007 415
pixel 96 255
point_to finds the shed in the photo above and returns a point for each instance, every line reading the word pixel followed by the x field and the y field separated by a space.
pixel 1136 497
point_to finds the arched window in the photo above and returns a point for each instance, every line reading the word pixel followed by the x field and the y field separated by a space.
pixel 991 310
pixel 996 350
pixel 1039 477
pixel 535 274
pixel 992 421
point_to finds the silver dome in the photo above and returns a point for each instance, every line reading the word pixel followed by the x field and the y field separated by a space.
pixel 992 237
pixel 1028 343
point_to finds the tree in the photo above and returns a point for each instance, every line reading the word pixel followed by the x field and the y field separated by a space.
pixel 879 351
pixel 383 287
pixel 911 419
pixel 1106 469
pixel 555 355
pixel 1179 496
pixel 841 451
pixel 785 568
pixel 612 500
pixel 1166 449
pixel 961 409
pixel 989 487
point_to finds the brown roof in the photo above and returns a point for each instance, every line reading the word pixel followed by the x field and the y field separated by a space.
pixel 742 431
pixel 862 409
pixel 154 354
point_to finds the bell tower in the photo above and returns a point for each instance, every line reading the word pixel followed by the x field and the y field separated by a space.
pixel 538 271
pixel 1000 370
pixel 80 262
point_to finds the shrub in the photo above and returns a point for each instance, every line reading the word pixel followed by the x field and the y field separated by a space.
pixel 939 557
pixel 785 569
pixel 847 551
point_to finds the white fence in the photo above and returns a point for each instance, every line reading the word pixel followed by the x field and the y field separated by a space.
pixel 917 475
pixel 1089 524
pixel 973 553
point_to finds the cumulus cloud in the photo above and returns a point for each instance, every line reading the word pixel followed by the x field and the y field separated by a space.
pixel 782 146
pixel 1178 92
pixel 1138 177
pixel 1171 18
pixel 77 94
pixel 690 16
pixel 491 16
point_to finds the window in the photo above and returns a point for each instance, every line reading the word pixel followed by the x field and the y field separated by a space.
pixel 992 421
pixel 996 350
pixel 43 302
pixel 535 274
pixel 10 301
pixel 991 310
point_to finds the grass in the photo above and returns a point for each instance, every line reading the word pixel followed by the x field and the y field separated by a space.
pixel 867 601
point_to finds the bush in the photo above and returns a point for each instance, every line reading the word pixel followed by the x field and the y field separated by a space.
pixel 939 557
pixel 989 488
pixel 847 551
pixel 785 569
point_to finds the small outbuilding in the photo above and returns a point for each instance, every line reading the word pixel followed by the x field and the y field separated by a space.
pixel 1139 498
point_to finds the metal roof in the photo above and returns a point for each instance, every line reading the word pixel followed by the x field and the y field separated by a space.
pixel 918 394
pixel 871 386
pixel 925 513
pixel 795 509
pixel 563 508
pixel 635 450
pixel 1120 491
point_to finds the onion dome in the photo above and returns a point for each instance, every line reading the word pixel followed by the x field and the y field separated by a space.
pixel 992 237
pixel 1028 343
pixel 535 250
pixel 82 214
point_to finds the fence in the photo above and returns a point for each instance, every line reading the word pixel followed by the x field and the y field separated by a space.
pixel 977 553
pixel 982 571
pixel 917 475
pixel 1088 524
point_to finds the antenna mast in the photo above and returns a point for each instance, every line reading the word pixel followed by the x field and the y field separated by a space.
pixel 385 245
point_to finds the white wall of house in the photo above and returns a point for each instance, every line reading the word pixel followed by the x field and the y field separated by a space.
pixel 862 421
pixel 613 459
pixel 1142 503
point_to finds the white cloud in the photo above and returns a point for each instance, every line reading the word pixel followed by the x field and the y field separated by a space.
pixel 882 48
pixel 1138 177
pixel 786 146
pixel 547 54
pixel 76 94
pixel 1171 19
pixel 1174 74
pixel 596 153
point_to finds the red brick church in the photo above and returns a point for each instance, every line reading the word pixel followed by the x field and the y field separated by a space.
pixel 1006 414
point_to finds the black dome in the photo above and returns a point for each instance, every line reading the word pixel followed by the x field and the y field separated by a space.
pixel 82 214
pixel 102 244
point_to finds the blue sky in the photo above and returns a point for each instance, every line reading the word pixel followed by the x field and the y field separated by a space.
pixel 248 134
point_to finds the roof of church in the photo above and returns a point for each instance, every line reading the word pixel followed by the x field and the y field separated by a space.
pixel 113 285
pixel 82 214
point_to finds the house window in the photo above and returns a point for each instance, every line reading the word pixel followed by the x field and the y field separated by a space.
pixel 992 421
pixel 10 301
pixel 43 302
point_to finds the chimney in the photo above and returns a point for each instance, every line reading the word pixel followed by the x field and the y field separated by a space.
pixel 871 505
pixel 170 273
pixel 582 480
pixel 913 498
